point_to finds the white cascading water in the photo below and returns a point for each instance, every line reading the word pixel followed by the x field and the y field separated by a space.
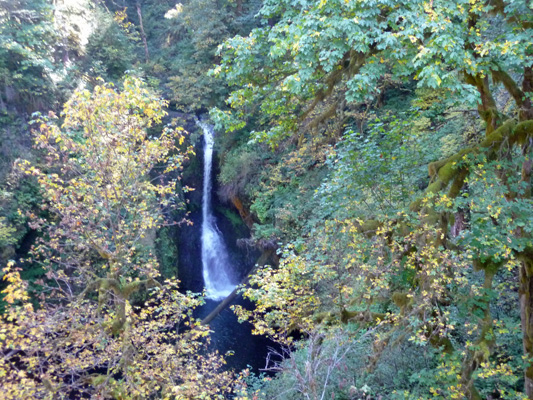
pixel 215 260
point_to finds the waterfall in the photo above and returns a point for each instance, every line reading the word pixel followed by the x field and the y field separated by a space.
pixel 215 260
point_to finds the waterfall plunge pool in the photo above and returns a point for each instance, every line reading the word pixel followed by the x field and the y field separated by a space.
pixel 209 259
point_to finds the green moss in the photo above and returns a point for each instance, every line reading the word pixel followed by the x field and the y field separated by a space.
pixel 458 183
pixel 522 131
pixel 361 316
pixel 431 217
pixel 497 136
pixel 402 301
pixel 447 172
pixel 415 205
pixel 489 266
pixel 326 318
pixel 435 187
pixel 234 218
pixel 434 167
pixel 167 253
pixel 369 227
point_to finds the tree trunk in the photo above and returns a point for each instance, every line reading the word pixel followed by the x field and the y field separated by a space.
pixel 143 35
pixel 485 342
pixel 2 104
pixel 526 291
pixel 238 10
pixel 526 267
pixel 526 314
pixel 527 88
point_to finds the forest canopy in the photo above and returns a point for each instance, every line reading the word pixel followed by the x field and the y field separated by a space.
pixel 376 152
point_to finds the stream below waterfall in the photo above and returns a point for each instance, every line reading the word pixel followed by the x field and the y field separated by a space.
pixel 213 262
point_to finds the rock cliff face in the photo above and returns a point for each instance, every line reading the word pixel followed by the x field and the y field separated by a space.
pixel 243 212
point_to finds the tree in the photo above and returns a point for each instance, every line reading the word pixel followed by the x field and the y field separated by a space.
pixel 98 185
pixel 26 36
pixel 110 48
pixel 183 44
pixel 107 189
pixel 313 61
pixel 333 53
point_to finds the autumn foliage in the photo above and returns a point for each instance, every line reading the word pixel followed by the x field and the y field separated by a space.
pixel 108 186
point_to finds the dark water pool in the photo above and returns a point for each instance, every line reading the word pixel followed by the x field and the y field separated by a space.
pixel 228 334
pixel 231 336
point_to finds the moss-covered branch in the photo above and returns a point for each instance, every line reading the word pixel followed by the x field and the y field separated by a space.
pixel 122 294
pixel 488 109
pixel 444 171
pixel 348 66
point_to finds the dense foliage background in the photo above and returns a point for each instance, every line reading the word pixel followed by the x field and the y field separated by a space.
pixel 378 151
